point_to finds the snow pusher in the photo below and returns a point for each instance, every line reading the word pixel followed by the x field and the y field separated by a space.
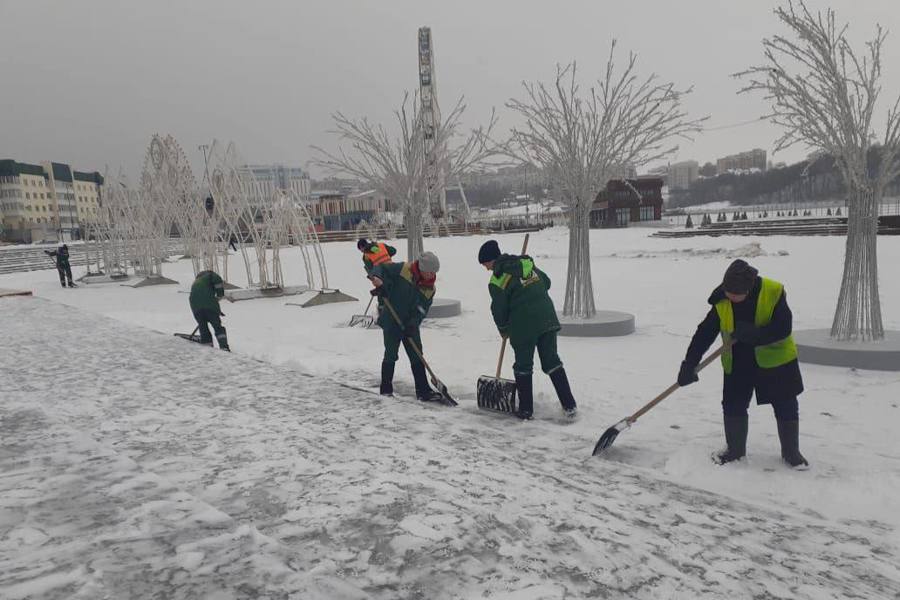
pixel 609 436
pixel 364 319
pixel 495 393
pixel 437 383
pixel 191 337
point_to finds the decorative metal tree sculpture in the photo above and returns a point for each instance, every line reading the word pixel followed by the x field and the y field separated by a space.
pixel 396 165
pixel 825 95
pixel 245 215
pixel 582 139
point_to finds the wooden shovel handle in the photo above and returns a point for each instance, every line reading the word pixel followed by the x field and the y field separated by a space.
pixel 675 386
pixel 503 345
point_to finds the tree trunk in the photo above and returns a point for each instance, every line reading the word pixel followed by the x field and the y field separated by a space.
pixel 415 222
pixel 858 313
pixel 579 299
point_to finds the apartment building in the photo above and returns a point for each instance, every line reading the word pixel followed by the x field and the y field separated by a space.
pixel 48 201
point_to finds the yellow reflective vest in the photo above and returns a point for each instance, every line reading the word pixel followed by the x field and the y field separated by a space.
pixel 768 356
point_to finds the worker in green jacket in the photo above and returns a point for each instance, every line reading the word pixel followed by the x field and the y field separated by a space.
pixel 409 287
pixel 206 290
pixel 523 311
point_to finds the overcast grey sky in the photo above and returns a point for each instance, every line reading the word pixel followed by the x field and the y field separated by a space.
pixel 88 82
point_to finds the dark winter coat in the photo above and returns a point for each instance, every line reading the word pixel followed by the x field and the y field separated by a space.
pixel 208 287
pixel 409 299
pixel 781 381
pixel 61 255
pixel 520 302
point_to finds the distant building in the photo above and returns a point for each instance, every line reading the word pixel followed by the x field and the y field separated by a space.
pixel 624 201
pixel 335 210
pixel 745 161
pixel 47 201
pixel 270 178
pixel 681 175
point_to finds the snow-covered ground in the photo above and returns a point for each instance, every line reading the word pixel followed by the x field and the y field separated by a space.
pixel 295 484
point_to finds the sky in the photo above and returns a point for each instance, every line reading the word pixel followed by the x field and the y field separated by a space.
pixel 89 82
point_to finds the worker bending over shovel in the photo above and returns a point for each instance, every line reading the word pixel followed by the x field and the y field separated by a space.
pixel 755 322
pixel 408 289
pixel 523 311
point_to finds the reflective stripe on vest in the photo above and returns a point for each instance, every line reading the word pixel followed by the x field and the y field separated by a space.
pixel 528 275
pixel 768 356
pixel 378 254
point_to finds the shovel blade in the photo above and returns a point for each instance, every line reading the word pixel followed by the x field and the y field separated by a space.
pixel 446 398
pixel 364 320
pixel 494 393
pixel 609 436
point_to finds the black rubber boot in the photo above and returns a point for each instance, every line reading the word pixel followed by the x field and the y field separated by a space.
pixel 789 436
pixel 736 438
pixel 564 392
pixel 526 396
pixel 387 378
pixel 423 390
pixel 222 338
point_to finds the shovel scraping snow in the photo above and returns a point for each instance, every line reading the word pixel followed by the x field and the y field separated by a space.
pixel 364 319
pixel 609 436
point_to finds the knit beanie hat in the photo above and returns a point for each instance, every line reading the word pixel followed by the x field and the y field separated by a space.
pixel 362 243
pixel 429 262
pixel 739 277
pixel 489 251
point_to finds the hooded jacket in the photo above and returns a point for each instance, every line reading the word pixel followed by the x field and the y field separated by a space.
pixel 520 302
pixel 785 379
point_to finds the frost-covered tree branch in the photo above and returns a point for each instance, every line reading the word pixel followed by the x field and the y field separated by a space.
pixel 584 138
pixel 396 165
pixel 824 94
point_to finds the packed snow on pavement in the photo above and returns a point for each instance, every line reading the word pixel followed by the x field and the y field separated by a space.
pixel 126 448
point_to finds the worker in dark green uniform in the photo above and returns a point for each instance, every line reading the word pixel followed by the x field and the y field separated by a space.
pixel 206 290
pixel 409 287
pixel 62 264
pixel 523 311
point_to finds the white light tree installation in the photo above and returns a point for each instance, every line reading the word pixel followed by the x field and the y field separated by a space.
pixel 825 95
pixel 395 164
pixel 584 138
pixel 268 218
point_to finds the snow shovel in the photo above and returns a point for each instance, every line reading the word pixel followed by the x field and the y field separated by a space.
pixel 364 319
pixel 609 436
pixel 191 337
pixel 494 393
pixel 437 383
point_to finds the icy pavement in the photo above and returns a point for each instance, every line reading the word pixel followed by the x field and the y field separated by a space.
pixel 137 465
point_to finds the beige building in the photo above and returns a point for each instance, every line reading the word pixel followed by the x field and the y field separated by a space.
pixel 47 201
pixel 681 175
pixel 745 161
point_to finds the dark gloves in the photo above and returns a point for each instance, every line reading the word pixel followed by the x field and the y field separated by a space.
pixel 687 374
pixel 746 333
pixel 410 330
pixel 48 253
pixel 379 291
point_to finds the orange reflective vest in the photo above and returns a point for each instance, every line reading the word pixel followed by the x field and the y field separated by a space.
pixel 377 254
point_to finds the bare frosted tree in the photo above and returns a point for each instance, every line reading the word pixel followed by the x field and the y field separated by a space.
pixel 394 164
pixel 584 138
pixel 825 95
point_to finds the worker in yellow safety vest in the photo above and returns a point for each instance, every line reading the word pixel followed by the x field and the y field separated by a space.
pixel 752 316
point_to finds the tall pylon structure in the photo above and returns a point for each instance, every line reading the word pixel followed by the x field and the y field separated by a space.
pixel 430 113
